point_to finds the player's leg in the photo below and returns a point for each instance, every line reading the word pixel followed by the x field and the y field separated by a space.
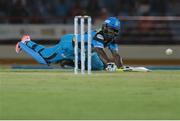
pixel 62 51
pixel 31 48
pixel 40 53
pixel 24 39
pixel 32 53
pixel 27 41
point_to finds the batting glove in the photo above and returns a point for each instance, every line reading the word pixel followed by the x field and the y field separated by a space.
pixel 111 67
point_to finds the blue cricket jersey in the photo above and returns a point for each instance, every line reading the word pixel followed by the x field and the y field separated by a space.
pixel 99 41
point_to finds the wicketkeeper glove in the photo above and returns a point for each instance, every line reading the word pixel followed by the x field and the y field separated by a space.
pixel 111 67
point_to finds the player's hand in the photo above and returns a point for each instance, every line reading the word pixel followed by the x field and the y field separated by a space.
pixel 111 67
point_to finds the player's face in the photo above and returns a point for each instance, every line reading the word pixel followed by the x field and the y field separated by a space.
pixel 110 32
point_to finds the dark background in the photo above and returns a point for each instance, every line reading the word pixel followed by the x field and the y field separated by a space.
pixel 155 32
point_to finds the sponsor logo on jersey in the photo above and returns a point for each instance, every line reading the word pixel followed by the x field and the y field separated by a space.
pixel 99 36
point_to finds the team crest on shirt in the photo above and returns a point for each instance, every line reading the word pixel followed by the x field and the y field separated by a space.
pixel 99 36
pixel 107 21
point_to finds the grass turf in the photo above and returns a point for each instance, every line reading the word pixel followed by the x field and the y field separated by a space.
pixel 53 94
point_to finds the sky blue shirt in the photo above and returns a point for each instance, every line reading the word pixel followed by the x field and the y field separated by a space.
pixel 98 41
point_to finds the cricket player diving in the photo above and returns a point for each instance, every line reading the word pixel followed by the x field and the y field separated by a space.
pixel 105 37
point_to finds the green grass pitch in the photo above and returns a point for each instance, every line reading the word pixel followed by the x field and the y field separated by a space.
pixel 53 94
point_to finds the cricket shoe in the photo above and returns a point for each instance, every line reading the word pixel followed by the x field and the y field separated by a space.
pixel 24 39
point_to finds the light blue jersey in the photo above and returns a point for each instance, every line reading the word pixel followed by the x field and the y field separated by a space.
pixel 64 50
pixel 98 41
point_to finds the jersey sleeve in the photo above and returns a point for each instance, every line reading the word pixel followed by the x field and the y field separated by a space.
pixel 98 44
pixel 98 41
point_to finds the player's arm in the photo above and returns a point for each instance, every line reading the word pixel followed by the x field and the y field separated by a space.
pixel 103 56
pixel 117 57
pixel 98 47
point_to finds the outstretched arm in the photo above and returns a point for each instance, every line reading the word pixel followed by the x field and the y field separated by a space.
pixel 103 56
pixel 116 56
pixel 117 59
